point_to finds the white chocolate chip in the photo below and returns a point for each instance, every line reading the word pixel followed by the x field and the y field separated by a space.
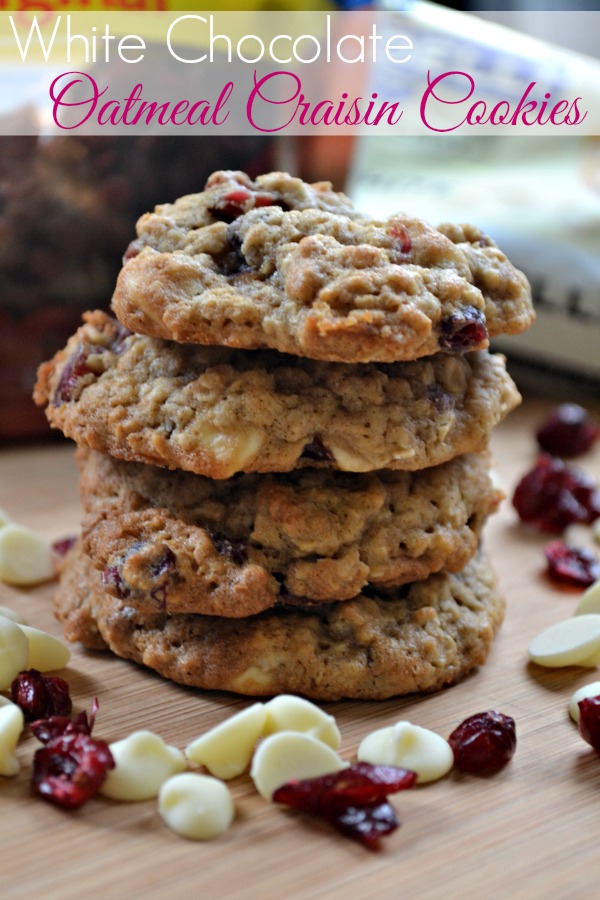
pixel 290 754
pixel 12 615
pixel 24 557
pixel 198 807
pixel 411 747
pixel 571 642
pixel 349 462
pixel 11 726
pixel 227 749
pixel 5 519
pixel 143 762
pixel 233 450
pixel 252 679
pixel 289 713
pixel 409 452
pixel 589 601
pixel 46 653
pixel 588 690
pixel 14 651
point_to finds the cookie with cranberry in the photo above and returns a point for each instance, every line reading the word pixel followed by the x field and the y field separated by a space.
pixel 251 542
pixel 217 411
pixel 419 637
pixel 276 263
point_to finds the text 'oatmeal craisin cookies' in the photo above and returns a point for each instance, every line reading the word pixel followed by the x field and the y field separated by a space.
pixel 280 264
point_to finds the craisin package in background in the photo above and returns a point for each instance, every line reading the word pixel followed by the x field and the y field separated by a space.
pixel 537 196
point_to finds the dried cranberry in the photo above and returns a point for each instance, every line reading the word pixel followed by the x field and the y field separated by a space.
pixel 71 766
pixel 567 432
pixel 317 450
pixel 164 564
pixel 399 233
pixel 366 823
pixel 553 495
pixel 589 721
pixel 231 205
pixel 352 800
pixel 576 566
pixel 233 262
pixel 41 696
pixel 118 342
pixel 62 547
pixel 112 580
pixel 239 201
pixel 236 551
pixel 357 784
pixel 464 330
pixel 134 249
pixel 483 743
pixel 46 730
pixel 75 369
pixel 442 400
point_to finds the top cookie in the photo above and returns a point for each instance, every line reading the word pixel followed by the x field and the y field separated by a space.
pixel 280 264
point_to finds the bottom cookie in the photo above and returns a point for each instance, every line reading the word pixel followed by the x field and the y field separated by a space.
pixel 419 637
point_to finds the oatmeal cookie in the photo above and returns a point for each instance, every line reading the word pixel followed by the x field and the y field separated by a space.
pixel 288 266
pixel 239 546
pixel 419 637
pixel 216 411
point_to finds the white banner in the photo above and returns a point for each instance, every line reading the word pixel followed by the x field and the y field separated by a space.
pixel 423 72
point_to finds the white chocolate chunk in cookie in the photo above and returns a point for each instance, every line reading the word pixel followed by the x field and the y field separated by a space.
pixel 410 747
pixel 255 678
pixel 24 557
pixel 143 762
pixel 571 642
pixel 197 807
pixel 290 755
pixel 349 462
pixel 588 690
pixel 226 750
pixel 234 449
pixel 46 653
pixel 11 726
pixel 14 652
pixel 290 713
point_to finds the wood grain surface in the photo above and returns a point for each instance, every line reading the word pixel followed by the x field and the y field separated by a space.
pixel 530 831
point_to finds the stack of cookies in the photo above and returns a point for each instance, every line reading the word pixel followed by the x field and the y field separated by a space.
pixel 283 445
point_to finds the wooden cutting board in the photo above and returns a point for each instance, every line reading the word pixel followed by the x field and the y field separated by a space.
pixel 530 831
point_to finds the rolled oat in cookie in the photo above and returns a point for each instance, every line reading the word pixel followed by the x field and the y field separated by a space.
pixel 216 411
pixel 419 637
pixel 280 264
pixel 184 543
